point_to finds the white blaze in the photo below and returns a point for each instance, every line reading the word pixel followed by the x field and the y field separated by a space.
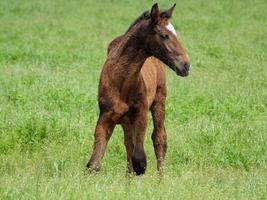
pixel 171 28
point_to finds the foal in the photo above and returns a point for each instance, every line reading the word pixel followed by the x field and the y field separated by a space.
pixel 132 82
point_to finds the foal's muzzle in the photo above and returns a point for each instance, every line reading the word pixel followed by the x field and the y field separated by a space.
pixel 182 68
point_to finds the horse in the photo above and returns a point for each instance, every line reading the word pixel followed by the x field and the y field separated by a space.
pixel 133 82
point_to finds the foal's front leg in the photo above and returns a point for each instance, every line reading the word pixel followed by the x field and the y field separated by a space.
pixel 129 145
pixel 139 123
pixel 103 132
pixel 159 136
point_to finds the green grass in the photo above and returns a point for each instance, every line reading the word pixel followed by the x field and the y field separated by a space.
pixel 51 53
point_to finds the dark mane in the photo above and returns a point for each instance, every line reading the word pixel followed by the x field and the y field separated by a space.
pixel 144 15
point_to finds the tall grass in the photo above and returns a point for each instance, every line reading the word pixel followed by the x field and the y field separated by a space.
pixel 51 53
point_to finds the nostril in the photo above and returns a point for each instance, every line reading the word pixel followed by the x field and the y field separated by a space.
pixel 187 65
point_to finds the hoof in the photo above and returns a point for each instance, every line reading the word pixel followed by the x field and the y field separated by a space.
pixel 93 166
pixel 160 165
pixel 139 164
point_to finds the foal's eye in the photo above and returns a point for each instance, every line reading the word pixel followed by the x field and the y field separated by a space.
pixel 164 36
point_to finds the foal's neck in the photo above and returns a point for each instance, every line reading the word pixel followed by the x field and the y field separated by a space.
pixel 130 54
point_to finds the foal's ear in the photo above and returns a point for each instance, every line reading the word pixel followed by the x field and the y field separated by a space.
pixel 168 13
pixel 155 13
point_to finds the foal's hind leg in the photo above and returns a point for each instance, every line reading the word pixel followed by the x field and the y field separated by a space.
pixel 103 132
pixel 129 145
pixel 159 136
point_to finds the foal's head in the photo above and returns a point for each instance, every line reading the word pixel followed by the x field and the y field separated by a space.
pixel 162 41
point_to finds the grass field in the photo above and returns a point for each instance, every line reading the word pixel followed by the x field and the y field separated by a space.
pixel 51 53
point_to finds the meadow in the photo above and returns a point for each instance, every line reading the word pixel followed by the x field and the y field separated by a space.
pixel 51 54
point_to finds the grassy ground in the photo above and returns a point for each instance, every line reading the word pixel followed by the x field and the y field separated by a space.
pixel 51 54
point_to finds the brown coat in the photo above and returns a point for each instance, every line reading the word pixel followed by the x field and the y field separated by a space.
pixel 132 82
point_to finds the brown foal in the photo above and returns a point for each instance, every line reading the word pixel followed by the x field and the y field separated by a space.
pixel 132 82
